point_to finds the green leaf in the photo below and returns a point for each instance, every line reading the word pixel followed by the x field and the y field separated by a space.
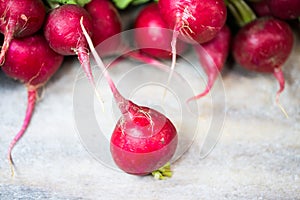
pixel 138 2
pixel 163 173
pixel 122 4
pixel 241 11
pixel 83 2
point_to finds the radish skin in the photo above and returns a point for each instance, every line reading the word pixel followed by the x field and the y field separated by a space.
pixel 285 9
pixel 261 8
pixel 19 19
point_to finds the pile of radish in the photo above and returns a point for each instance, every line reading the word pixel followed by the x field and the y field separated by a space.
pixel 38 34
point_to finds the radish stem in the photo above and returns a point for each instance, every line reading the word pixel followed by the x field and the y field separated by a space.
pixel 280 78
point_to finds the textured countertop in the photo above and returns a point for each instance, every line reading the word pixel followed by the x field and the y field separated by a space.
pixel 257 155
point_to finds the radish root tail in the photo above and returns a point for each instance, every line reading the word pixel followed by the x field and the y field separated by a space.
pixel 32 96
pixel 280 78
pixel 210 69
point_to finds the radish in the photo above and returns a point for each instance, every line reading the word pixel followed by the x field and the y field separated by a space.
pixel 19 19
pixel 144 139
pixel 33 62
pixel 261 8
pixel 263 46
pixel 155 30
pixel 106 23
pixel 63 33
pixel 196 20
pixel 212 56
pixel 285 9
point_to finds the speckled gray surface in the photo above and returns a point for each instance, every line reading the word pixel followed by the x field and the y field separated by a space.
pixel 257 156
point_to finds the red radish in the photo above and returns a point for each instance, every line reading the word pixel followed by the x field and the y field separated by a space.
pixel 196 20
pixel 154 28
pixel 212 55
pixel 285 9
pixel 19 19
pixel 33 62
pixel 106 23
pixel 199 20
pixel 144 139
pixel 261 8
pixel 263 46
pixel 62 31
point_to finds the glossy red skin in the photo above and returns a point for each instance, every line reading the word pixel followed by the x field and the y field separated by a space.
pixel 27 16
pixel 159 38
pixel 31 60
pixel 261 8
pixel 285 9
pixel 263 44
pixel 62 29
pixel 106 20
pixel 137 148
pixel 201 19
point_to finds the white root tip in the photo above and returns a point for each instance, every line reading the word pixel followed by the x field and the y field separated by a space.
pixel 282 108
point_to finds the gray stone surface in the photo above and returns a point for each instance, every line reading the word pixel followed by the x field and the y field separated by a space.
pixel 257 156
